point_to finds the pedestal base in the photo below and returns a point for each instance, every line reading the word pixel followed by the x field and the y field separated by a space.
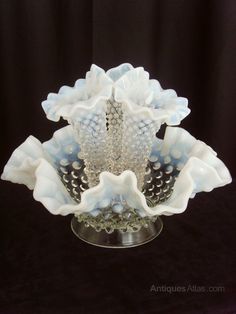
pixel 116 239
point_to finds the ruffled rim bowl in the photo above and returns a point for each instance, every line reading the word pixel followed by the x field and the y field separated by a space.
pixel 193 165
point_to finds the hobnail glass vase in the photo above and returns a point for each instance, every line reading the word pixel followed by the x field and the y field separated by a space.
pixel 108 167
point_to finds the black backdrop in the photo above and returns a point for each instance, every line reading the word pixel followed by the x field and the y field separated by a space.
pixel 189 45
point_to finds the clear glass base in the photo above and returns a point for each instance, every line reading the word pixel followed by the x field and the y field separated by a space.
pixel 116 239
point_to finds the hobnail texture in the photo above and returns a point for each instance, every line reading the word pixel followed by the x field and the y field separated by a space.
pixel 108 167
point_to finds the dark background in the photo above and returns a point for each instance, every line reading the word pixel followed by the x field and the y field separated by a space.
pixel 188 46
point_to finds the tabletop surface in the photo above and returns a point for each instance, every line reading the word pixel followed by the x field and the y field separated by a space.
pixel 189 268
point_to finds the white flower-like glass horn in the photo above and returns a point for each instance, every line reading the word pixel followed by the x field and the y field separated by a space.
pixel 107 167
